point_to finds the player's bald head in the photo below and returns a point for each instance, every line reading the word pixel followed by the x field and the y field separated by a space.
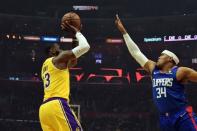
pixel 53 50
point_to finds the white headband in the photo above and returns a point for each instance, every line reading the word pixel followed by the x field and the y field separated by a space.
pixel 171 54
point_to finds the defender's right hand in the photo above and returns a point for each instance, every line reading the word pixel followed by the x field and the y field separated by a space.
pixel 119 25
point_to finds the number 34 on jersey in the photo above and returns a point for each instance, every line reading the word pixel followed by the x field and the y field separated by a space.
pixel 161 92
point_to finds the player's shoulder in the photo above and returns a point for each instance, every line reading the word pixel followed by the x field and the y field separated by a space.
pixel 182 72
pixel 183 69
pixel 47 60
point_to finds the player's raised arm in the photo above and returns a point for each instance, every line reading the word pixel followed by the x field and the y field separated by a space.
pixel 78 51
pixel 72 63
pixel 148 65
pixel 186 74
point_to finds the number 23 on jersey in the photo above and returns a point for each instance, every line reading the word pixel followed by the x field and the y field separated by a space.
pixel 46 80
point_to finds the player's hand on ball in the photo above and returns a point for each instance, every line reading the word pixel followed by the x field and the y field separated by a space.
pixel 119 25
pixel 68 27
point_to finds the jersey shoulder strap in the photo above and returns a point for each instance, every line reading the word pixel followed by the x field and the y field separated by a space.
pixel 174 71
pixel 155 70
pixel 47 61
pixel 46 64
pixel 50 63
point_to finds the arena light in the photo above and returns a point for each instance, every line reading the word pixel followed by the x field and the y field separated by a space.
pixel 194 60
pixel 81 7
pixel 68 40
pixel 32 38
pixel 13 37
pixel 114 41
pixel 8 36
pixel 49 39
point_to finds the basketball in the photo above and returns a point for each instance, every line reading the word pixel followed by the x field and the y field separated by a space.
pixel 73 19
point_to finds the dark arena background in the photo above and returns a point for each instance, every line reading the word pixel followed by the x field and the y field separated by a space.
pixel 109 90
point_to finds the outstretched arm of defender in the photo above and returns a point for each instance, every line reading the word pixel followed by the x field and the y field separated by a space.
pixel 135 52
pixel 186 74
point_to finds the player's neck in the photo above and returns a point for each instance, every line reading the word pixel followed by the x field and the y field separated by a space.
pixel 166 68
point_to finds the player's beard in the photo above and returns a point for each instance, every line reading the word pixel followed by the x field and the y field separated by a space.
pixel 57 52
pixel 160 65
